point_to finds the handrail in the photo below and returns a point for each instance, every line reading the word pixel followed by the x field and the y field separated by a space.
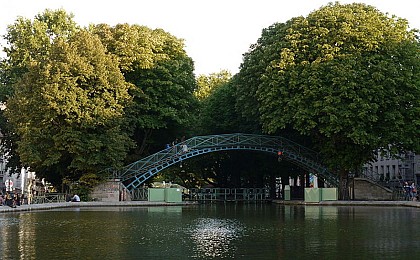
pixel 229 194
pixel 48 198
pixel 136 173
pixel 376 177
pixel 212 141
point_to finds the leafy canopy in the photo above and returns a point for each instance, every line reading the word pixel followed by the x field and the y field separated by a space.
pixel 346 75
pixel 67 102
pixel 156 63
pixel 28 41
pixel 207 84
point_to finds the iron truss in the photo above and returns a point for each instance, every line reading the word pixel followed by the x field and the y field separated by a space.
pixel 136 173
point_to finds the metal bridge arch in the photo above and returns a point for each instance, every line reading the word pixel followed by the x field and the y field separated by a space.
pixel 136 173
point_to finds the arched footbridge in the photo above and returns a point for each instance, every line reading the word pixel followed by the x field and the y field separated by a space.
pixel 136 173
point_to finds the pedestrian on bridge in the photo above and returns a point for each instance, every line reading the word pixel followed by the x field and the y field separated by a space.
pixel 184 148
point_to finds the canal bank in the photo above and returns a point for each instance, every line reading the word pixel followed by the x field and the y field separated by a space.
pixel 415 204
pixel 48 206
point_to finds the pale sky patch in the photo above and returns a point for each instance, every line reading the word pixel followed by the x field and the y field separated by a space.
pixel 216 32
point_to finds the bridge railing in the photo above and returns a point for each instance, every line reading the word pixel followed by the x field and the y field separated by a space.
pixel 48 198
pixel 394 184
pixel 228 194
pixel 251 140
pixel 202 142
pixel 139 194
pixel 143 169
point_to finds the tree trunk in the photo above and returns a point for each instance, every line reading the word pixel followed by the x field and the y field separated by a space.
pixel 147 134
pixel 344 185
pixel 307 181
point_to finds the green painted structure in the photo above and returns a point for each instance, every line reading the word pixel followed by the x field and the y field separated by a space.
pixel 173 195
pixel 156 194
pixel 135 174
pixel 164 194
pixel 320 194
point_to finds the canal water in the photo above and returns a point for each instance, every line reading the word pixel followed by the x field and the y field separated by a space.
pixel 222 231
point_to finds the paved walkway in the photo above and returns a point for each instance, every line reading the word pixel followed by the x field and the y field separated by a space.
pixel 47 206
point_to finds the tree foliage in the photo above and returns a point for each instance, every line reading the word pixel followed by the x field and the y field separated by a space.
pixel 75 97
pixel 28 41
pixel 67 104
pixel 219 115
pixel 255 62
pixel 68 108
pixel 206 84
pixel 156 63
pixel 346 75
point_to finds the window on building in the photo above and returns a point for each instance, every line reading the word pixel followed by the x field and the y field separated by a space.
pixel 394 173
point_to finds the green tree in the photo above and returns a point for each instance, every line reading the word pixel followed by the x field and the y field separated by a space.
pixel 346 75
pixel 207 84
pixel 219 116
pixel 156 63
pixel 28 41
pixel 216 113
pixel 251 74
pixel 68 109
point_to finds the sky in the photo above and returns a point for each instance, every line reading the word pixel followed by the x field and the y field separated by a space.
pixel 216 33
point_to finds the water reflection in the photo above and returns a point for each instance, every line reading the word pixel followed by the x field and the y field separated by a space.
pixel 17 234
pixel 212 232
pixel 26 234
pixel 312 212
pixel 213 237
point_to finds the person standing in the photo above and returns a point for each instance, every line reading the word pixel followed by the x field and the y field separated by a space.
pixel 413 191
pixel 406 188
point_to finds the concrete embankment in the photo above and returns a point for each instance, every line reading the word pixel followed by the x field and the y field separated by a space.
pixel 415 204
pixel 48 206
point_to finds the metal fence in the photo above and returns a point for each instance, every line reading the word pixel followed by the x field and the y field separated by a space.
pixel 223 194
pixel 139 194
pixel 48 198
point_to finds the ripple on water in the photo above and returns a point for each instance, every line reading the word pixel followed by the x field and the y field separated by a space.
pixel 213 237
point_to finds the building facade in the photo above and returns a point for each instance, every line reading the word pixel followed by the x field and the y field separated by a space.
pixel 395 171
pixel 22 182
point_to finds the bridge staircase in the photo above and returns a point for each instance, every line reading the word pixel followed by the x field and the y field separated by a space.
pixel 394 186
